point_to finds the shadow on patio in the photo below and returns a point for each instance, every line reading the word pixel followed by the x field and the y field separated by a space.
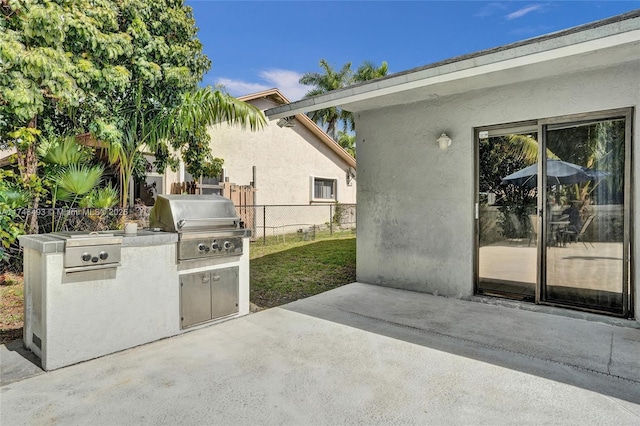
pixel 592 352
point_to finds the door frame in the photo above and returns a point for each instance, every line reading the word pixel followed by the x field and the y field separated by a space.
pixel 519 127
pixel 541 126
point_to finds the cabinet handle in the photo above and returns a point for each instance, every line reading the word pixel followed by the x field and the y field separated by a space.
pixel 216 277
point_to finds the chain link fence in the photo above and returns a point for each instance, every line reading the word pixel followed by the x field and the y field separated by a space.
pixel 269 224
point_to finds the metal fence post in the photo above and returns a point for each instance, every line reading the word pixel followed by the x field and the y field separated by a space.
pixel 264 225
pixel 330 219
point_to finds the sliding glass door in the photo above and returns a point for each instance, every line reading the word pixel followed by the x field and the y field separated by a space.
pixel 506 213
pixel 562 239
pixel 586 214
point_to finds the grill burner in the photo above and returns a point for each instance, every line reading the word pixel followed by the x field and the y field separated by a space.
pixel 207 225
pixel 92 251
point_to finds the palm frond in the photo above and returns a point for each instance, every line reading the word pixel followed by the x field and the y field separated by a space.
pixel 369 71
pixel 525 148
pixel 60 194
pixel 79 179
pixel 348 142
pixel 63 151
pixel 101 198
pixel 205 107
pixel 13 197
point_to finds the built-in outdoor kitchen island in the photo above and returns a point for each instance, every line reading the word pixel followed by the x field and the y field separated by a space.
pixel 88 295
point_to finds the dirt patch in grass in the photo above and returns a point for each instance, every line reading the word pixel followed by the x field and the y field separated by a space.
pixel 11 307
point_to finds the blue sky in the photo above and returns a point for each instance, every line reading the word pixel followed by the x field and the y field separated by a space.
pixel 257 45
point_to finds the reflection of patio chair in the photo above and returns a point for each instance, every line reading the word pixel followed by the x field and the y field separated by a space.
pixel 570 234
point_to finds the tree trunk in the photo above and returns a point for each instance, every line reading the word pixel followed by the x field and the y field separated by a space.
pixel 28 166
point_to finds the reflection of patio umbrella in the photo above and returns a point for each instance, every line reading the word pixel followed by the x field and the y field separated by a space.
pixel 558 173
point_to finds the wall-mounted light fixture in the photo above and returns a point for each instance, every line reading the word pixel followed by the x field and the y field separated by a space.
pixel 444 141
pixel 286 122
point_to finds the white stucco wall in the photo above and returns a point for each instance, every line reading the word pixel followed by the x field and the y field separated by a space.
pixel 418 230
pixel 285 159
pixel 83 315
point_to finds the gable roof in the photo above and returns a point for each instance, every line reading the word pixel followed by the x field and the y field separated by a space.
pixel 275 95
pixel 599 44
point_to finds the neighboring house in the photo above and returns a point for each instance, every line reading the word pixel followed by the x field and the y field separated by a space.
pixel 297 163
pixel 291 163
pixel 421 207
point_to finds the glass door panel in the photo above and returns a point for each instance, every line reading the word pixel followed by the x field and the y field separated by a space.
pixel 507 217
pixel 585 215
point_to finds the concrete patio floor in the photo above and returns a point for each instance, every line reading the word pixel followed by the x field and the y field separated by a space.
pixel 595 266
pixel 359 354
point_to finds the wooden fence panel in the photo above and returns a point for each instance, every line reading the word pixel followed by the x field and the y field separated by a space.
pixel 243 197
pixel 184 188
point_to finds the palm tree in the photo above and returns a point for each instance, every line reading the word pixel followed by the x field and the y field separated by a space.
pixel 369 71
pixel 181 125
pixel 67 169
pixel 525 148
pixel 100 199
pixel 365 72
pixel 333 80
pixel 348 142
pixel 323 83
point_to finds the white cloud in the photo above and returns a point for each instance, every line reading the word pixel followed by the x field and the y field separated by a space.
pixel 525 10
pixel 287 82
pixel 284 80
pixel 490 9
pixel 240 88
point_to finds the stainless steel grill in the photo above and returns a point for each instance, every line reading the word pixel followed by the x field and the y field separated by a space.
pixel 207 225
pixel 90 251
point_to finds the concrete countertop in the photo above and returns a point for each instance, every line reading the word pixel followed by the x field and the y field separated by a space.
pixel 51 243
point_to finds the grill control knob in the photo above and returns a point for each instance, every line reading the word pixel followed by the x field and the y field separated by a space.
pixel 227 245
pixel 215 245
pixel 86 257
pixel 103 255
pixel 201 247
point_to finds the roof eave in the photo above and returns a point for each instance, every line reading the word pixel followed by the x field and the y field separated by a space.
pixel 326 139
pixel 612 32
pixel 273 93
pixel 305 121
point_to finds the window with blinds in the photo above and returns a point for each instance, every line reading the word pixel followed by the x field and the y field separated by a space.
pixel 324 189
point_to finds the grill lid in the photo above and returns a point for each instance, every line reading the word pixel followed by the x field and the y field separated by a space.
pixel 185 213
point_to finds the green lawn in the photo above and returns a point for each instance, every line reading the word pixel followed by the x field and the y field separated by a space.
pixel 279 274
pixel 284 273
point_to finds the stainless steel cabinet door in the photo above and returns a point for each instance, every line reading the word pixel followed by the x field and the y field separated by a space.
pixel 195 298
pixel 224 291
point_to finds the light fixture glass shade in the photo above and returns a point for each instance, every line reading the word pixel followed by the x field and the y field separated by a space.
pixel 444 141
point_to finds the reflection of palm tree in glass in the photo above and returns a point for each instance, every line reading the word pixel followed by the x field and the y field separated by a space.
pixel 592 147
pixel 596 146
